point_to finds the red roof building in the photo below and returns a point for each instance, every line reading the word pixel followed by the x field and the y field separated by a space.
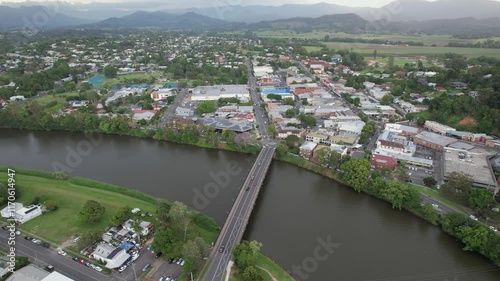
pixel 381 162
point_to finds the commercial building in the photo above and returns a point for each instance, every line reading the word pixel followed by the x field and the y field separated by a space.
pixel 206 93
pixel 391 142
pixel 438 127
pixel 33 273
pixel 433 141
pixel 306 149
pixel 474 165
pixel 112 256
pixel 384 162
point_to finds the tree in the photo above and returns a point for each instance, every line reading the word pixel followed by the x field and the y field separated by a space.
pixel 4 192
pixel 91 212
pixel 458 187
pixel 289 101
pixel 481 200
pixel 400 195
pixel 180 216
pixel 430 213
pixel 271 130
pixel 290 113
pixel 430 181
pixel 335 160
pixel 356 173
pixel 88 238
pixel 387 99
pixel 322 156
pixel 251 274
pixel 162 210
pixel 245 254
pixel 206 107
pixel 51 205
pixel 120 216
pixel 292 140
pixel 164 240
pixel 110 72
pixel 191 251
pixel 397 90
pixel 375 55
pixel 307 121
pixel 474 238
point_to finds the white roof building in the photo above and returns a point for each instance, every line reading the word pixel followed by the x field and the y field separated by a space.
pixel 206 93
pixel 20 213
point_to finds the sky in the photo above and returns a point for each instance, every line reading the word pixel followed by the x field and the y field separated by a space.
pixel 353 3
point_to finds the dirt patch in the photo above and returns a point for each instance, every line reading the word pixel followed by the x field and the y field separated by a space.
pixel 468 121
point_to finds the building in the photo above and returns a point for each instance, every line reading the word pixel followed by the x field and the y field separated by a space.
pixel 438 127
pixel 284 131
pixel 32 272
pixel 433 141
pixel 474 165
pixel 186 112
pixel 316 137
pixel 146 115
pixel 391 142
pixel 403 130
pixel 112 256
pixel 384 162
pixel 306 149
pixel 205 93
pixel 20 213
pixel 161 94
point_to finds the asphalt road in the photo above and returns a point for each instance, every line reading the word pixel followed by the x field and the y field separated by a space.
pixel 171 109
pixel 66 266
pixel 260 113
pixel 441 207
pixel 237 220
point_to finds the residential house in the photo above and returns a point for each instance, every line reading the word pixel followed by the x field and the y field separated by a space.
pixel 146 115
pixel 114 257
pixel 284 131
pixel 182 111
pixel 21 214
pixel 459 85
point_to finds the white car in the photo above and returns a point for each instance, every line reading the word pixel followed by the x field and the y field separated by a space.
pixel 435 206
pixel 472 217
pixel 493 228
pixel 182 263
pixel 62 253
pixel 98 269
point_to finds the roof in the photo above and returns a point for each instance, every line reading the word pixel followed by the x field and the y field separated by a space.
pixel 219 123
pixel 103 250
pixel 384 159
pixel 28 273
pixel 462 145
pixel 474 165
pixel 56 276
pixel 308 146
pixel 435 138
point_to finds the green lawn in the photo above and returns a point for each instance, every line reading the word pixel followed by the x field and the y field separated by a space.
pixel 59 98
pixel 392 50
pixel 265 262
pixel 62 224
pixel 128 78
pixel 312 48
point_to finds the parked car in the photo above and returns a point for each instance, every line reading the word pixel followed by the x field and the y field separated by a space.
pixel 145 267
pixel 49 268
pixel 76 239
pixel 62 253
pixel 473 217
pixel 46 245
pixel 37 241
pixel 29 238
pixel 98 268
pixel 493 228
pixel 182 263
pixel 75 258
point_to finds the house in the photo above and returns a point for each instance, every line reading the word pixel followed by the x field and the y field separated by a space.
pixel 32 272
pixel 316 138
pixel 384 162
pixel 20 213
pixel 459 85
pixel 17 98
pixel 112 256
pixel 306 149
pixel 181 111
pixel 285 131
pixel 145 227
pixel 144 114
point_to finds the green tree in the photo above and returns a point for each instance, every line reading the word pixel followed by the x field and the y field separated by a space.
pixel 110 71
pixel 289 101
pixel 481 200
pixel 88 238
pixel 292 141
pixel 307 121
pixel 91 212
pixel 335 160
pixel 387 99
pixel 458 187
pixel 322 156
pixel 290 113
pixel 206 107
pixel 180 216
pixel 271 130
pixel 474 238
pixel 251 274
pixel 164 240
pixel 120 216
pixel 397 90
pixel 429 213
pixel 430 181
pixel 356 173
pixel 245 254
pixel 51 205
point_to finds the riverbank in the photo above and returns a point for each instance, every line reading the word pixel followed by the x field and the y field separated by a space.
pixel 267 268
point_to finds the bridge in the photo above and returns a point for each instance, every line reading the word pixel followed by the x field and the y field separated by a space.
pixel 238 217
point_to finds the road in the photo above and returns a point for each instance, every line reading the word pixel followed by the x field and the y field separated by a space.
pixel 66 266
pixel 260 113
pixel 441 207
pixel 171 109
pixel 236 222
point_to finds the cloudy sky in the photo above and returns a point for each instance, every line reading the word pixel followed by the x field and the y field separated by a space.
pixel 208 3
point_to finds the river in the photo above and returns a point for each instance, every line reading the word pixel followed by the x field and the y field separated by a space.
pixel 312 226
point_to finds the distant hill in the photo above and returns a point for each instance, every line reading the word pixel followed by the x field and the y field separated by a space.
pixel 162 20
pixel 349 23
pixel 35 17
pixel 257 13
pixel 421 10
pixel 489 26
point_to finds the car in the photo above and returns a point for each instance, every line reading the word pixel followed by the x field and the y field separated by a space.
pixel 221 249
pixel 98 269
pixel 145 267
pixel 37 241
pixel 255 184
pixel 473 217
pixel 81 261
pixel 46 245
pixel 75 259
pixel 493 228
pixel 175 260
pixel 248 188
pixel 179 261
pixel 161 278
pixel 253 177
pixel 29 238
pixel 182 263
pixel 122 268
pixel 49 268
pixel 62 253
pixel 159 254
pixel 76 239
pixel 259 164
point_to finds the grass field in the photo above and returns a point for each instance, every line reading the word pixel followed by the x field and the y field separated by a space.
pixel 269 265
pixel 59 98
pixel 391 50
pixel 71 194
pixel 434 193
pixel 127 78
pixel 312 48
